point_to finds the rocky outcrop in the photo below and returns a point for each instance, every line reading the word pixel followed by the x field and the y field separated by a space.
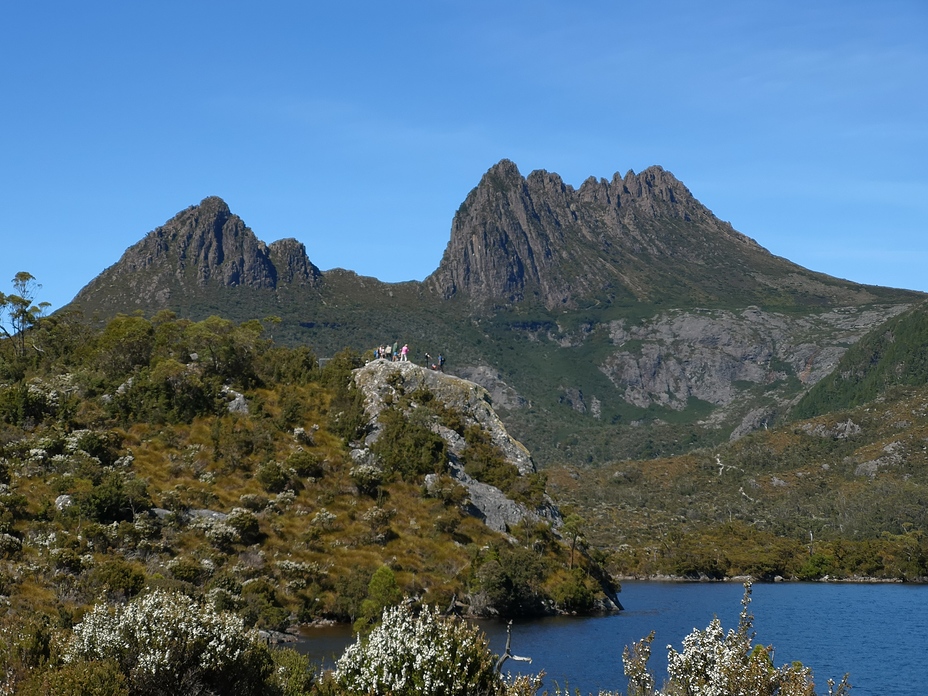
pixel 383 382
pixel 291 263
pixel 502 395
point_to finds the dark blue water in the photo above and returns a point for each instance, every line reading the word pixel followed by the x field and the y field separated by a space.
pixel 877 633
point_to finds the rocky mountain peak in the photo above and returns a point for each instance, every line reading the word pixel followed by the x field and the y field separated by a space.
pixel 292 264
pixel 204 246
pixel 639 236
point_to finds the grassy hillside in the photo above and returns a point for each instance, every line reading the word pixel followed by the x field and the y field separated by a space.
pixel 844 494
pixel 200 457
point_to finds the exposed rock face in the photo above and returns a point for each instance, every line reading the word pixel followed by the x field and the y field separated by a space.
pixel 289 259
pixel 380 381
pixel 502 395
pixel 719 356
pixel 202 246
pixel 641 236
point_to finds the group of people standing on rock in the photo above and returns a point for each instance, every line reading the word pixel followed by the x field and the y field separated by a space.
pixel 392 352
pixel 395 353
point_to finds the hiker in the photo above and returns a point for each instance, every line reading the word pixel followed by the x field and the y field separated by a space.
pixel 441 362
pixel 403 352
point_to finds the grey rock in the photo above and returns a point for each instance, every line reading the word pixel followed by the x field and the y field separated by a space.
pixel 489 503
pixel 204 514
pixel 237 402
pixel 502 395
pixel 380 378
pixel 720 356
pixel 380 382
pixel 62 502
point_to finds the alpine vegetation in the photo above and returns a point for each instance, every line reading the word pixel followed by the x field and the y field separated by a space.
pixel 165 642
pixel 424 654
pixel 715 663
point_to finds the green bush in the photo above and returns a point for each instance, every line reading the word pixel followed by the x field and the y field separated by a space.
pixel 510 581
pixel 292 675
pixel 119 577
pixel 484 461
pixel 272 477
pixel 575 593
pixel 408 447
pixel 306 464
pixel 87 678
pixel 382 592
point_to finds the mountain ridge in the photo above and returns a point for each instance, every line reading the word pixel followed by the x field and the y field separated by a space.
pixel 514 241
pixel 594 311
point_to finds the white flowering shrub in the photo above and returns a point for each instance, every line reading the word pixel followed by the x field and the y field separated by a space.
pixel 324 519
pixel 10 546
pixel 366 477
pixel 714 663
pixel 409 655
pixel 166 643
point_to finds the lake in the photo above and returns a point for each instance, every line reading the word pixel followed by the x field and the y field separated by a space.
pixel 876 632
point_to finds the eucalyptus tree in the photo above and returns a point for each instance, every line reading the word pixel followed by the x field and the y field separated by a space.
pixel 17 312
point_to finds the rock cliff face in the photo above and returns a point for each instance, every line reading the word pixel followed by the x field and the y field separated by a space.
pixel 200 247
pixel 721 357
pixel 383 382
pixel 639 237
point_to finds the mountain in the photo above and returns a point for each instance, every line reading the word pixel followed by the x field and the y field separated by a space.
pixel 641 237
pixel 204 246
pixel 619 319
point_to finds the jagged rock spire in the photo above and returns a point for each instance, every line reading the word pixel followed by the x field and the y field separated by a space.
pixel 516 239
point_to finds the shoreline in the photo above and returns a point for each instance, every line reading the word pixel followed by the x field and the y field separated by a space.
pixel 853 579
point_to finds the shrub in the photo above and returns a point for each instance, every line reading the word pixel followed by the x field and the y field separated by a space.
pixel 97 678
pixel 25 644
pixel 713 662
pixel 367 478
pixel 165 642
pixel 272 477
pixel 292 675
pixel 408 655
pixel 574 593
pixel 245 524
pixel 408 446
pixel 510 581
pixel 382 592
pixel 119 577
pixel 306 464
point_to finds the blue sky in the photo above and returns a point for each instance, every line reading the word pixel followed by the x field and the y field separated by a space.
pixel 359 128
